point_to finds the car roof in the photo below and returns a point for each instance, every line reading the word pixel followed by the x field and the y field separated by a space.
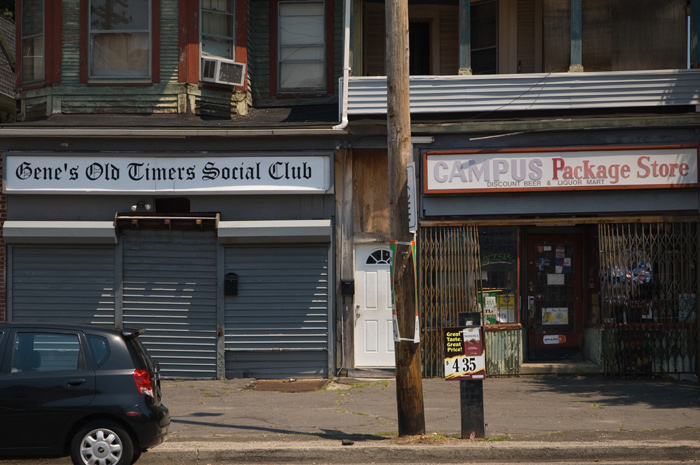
pixel 128 333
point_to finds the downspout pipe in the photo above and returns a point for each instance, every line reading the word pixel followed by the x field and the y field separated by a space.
pixel 346 69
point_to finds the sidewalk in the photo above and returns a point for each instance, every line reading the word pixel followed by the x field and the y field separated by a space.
pixel 355 420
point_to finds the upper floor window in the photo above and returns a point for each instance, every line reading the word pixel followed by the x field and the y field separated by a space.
pixel 32 26
pixel 120 39
pixel 301 54
pixel 217 28
pixel 484 37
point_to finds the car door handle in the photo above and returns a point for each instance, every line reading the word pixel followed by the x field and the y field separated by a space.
pixel 76 382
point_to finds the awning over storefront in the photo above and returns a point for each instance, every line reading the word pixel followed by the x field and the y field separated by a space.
pixel 59 232
pixel 275 231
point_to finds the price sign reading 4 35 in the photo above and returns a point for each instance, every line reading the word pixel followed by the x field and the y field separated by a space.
pixel 464 353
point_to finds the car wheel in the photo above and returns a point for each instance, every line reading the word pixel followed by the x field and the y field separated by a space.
pixel 102 443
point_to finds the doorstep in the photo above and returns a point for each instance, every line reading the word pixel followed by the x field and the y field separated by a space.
pixel 371 372
pixel 564 367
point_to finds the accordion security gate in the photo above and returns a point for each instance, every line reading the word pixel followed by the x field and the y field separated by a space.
pixel 450 267
pixel 649 284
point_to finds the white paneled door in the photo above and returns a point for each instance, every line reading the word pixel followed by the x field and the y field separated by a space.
pixel 374 341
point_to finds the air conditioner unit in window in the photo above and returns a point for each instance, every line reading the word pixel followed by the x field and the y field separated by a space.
pixel 223 71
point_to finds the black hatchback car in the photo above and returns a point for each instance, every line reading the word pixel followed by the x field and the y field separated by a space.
pixel 88 392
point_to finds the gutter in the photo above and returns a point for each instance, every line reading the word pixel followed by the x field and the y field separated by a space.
pixel 346 69
pixel 176 133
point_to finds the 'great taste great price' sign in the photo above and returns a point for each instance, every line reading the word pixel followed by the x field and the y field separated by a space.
pixel 464 353
pixel 546 169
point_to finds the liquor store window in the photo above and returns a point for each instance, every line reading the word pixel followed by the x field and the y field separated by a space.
pixel 499 270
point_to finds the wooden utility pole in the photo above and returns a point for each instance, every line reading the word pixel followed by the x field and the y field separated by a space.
pixel 409 381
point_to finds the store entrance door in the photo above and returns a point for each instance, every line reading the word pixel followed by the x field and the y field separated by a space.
pixel 554 296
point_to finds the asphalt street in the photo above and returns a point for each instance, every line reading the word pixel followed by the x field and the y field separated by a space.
pixel 342 421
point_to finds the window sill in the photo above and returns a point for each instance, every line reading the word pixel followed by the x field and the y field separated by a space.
pixel 310 94
pixel 33 85
pixel 119 82
pixel 217 86
pixel 503 327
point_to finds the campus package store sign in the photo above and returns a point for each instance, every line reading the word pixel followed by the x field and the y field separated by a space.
pixel 571 169
pixel 149 173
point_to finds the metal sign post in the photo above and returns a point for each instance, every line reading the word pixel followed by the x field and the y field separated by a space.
pixel 465 360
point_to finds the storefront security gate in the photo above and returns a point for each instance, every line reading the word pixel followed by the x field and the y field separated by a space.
pixel 649 302
pixel 450 280
pixel 170 288
pixel 276 325
pixel 73 285
pixel 278 320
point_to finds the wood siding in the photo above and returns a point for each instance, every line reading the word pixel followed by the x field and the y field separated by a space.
pixel 370 191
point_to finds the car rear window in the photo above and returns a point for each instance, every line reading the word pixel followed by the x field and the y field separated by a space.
pixel 99 347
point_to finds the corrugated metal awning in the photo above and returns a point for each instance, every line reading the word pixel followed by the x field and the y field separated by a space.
pixel 275 231
pixel 59 232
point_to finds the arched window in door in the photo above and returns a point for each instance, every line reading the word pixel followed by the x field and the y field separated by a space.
pixel 379 257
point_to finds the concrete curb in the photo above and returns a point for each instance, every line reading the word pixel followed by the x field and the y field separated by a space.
pixel 333 451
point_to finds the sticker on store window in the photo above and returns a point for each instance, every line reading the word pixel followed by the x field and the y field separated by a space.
pixel 563 265
pixel 555 316
pixel 555 279
pixel 553 339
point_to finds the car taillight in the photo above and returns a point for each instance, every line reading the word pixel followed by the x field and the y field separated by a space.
pixel 142 378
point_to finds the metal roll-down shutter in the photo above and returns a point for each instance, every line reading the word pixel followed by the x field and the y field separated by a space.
pixel 170 288
pixel 64 284
pixel 277 326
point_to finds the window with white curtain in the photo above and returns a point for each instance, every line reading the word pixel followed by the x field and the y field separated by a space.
pixel 32 25
pixel 301 46
pixel 120 39
pixel 217 28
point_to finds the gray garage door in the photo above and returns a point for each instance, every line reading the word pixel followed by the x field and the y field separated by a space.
pixel 62 284
pixel 170 288
pixel 278 324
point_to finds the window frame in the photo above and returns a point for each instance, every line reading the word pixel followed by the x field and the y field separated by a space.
pixel 505 256
pixel 52 32
pixel 231 38
pixel 23 38
pixel 379 257
pixel 275 88
pixel 45 334
pixel 492 48
pixel 86 50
